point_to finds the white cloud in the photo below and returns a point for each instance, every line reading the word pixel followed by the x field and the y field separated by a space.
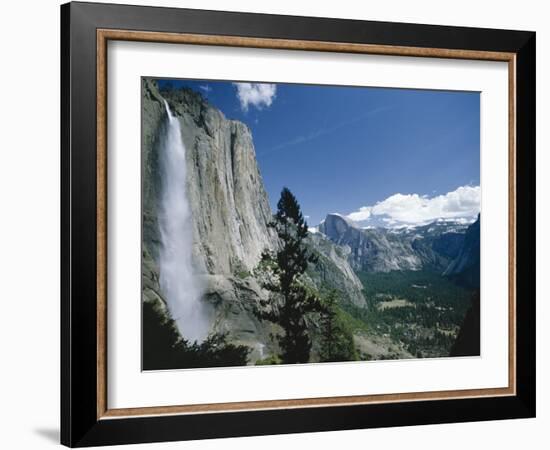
pixel 206 88
pixel 259 95
pixel 462 204
pixel 361 214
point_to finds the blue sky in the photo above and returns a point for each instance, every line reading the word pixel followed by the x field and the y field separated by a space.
pixel 376 155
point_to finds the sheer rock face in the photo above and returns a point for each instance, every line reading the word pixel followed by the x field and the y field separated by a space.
pixel 231 213
pixel 230 206
pixel 465 268
pixel 230 209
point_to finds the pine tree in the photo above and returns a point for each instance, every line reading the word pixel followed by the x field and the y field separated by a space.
pixel 329 326
pixel 337 339
pixel 290 301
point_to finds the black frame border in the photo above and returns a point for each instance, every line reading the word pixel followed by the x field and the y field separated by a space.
pixel 79 423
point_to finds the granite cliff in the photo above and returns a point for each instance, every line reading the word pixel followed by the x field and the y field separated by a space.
pixel 465 267
pixel 231 213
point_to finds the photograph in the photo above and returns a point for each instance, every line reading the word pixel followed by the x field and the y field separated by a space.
pixel 276 223
pixel 300 223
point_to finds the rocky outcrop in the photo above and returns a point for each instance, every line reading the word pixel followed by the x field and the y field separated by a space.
pixel 333 269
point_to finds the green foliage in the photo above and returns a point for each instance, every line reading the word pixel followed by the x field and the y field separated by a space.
pixel 283 271
pixel 337 338
pixel 240 270
pixel 242 274
pixel 428 324
pixel 416 286
pixel 270 360
pixel 163 348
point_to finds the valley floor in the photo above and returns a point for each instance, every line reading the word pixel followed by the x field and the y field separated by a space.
pixel 410 314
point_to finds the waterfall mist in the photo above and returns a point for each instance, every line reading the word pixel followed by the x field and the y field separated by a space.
pixel 179 282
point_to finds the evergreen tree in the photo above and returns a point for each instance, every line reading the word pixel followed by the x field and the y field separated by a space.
pixel 328 323
pixel 291 300
pixel 337 339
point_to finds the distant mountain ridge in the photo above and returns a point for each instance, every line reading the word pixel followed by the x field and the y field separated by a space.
pixel 433 246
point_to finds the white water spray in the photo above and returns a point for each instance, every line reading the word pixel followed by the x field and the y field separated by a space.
pixel 178 279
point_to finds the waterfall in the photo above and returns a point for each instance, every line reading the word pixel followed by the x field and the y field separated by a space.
pixel 179 282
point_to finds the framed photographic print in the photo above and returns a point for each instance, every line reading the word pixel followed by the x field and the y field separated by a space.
pixel 276 224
